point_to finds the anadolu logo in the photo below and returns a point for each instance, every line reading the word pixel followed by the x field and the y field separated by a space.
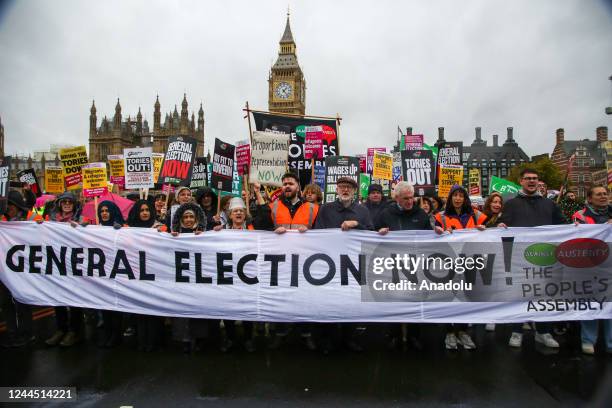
pixel 541 254
pixel 582 252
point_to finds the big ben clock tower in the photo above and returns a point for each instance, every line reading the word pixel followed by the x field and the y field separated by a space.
pixel 286 84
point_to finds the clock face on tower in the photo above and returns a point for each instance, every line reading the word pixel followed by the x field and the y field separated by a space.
pixel 283 90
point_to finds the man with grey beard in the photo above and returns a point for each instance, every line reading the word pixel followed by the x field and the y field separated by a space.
pixel 344 213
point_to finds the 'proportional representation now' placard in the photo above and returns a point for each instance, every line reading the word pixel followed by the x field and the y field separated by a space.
pixel 496 275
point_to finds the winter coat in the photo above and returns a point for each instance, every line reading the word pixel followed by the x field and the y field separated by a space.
pixel 398 219
pixel 531 211
pixel 332 215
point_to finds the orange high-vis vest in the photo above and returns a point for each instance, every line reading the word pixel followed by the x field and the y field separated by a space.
pixel 35 216
pixel 450 223
pixel 304 216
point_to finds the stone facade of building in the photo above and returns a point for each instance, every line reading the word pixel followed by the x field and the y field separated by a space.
pixel 286 83
pixel 112 136
pixel 589 163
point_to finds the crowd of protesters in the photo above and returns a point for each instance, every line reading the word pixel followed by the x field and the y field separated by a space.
pixel 301 210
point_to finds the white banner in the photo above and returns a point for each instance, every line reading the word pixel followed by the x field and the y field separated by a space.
pixel 497 275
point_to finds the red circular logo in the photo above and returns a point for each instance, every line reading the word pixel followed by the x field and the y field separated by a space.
pixel 582 252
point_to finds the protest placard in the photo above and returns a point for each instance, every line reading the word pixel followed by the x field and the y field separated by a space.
pixel 336 167
pixel 449 176
pixel 117 169
pixel 72 159
pixel 138 168
pixel 222 175
pixel 54 180
pixel 418 169
pixel 94 179
pixel 382 166
pixel 269 158
pixel 28 176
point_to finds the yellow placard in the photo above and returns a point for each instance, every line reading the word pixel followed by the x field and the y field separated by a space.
pixel 73 159
pixel 448 177
pixel 116 164
pixel 158 159
pixel 94 179
pixel 54 180
pixel 382 166
pixel 474 179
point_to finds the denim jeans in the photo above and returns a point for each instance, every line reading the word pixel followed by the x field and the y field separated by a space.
pixel 589 329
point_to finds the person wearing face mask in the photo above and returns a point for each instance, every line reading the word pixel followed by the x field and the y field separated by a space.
pixel 530 209
pixel 188 219
pixel 109 215
pixel 347 214
pixel 149 329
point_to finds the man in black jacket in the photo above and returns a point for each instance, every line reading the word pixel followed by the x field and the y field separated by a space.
pixel 376 201
pixel 347 214
pixel 400 216
pixel 530 209
pixel 403 214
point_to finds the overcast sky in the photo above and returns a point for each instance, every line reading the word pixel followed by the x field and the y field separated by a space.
pixel 533 65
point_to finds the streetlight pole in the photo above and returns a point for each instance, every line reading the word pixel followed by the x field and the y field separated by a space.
pixel 609 108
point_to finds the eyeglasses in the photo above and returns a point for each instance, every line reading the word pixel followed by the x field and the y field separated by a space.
pixel 344 186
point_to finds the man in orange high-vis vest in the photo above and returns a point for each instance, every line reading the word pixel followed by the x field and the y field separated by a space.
pixel 289 212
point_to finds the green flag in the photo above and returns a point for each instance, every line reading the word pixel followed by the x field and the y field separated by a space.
pixel 433 149
pixel 503 186
pixel 364 184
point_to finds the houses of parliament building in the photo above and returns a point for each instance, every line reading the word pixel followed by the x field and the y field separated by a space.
pixel 114 135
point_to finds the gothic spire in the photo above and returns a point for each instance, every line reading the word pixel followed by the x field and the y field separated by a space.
pixel 287 35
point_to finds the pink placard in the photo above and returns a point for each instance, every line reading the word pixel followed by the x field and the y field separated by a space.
pixel 243 158
pixel 313 144
pixel 413 142
pixel 370 158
